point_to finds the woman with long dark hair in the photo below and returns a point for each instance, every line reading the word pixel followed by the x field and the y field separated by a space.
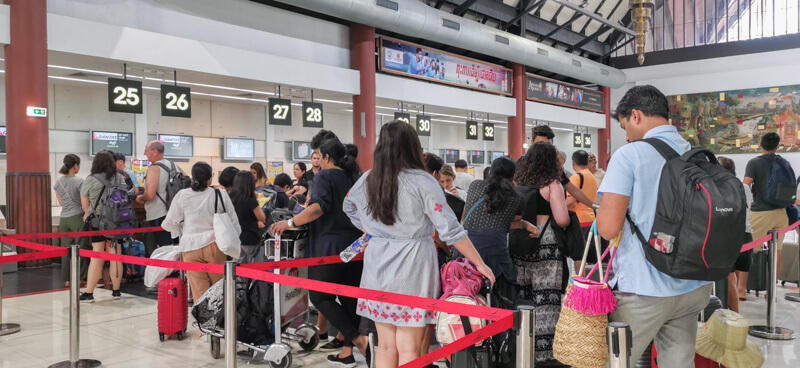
pixel 251 216
pixel 401 205
pixel 257 169
pixel 494 208
pixel 191 217
pixel 330 233
pixel 104 168
pixel 68 193
pixel 541 267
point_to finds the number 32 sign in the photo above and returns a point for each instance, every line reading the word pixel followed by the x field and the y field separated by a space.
pixel 176 101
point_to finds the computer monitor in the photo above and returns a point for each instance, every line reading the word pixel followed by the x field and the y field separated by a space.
pixel 239 149
pixel 177 146
pixel 118 142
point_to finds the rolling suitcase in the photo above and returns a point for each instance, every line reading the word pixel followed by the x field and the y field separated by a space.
pixel 757 279
pixel 173 308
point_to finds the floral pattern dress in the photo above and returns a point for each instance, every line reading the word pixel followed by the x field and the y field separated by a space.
pixel 401 258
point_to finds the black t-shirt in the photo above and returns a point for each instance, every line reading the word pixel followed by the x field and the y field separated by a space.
pixel 305 179
pixel 499 220
pixel 248 221
pixel 333 232
pixel 758 169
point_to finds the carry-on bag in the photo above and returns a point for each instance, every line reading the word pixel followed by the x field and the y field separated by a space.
pixel 133 248
pixel 758 277
pixel 173 308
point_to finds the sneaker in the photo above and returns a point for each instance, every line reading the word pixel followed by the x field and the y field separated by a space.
pixel 115 294
pixel 333 345
pixel 347 362
pixel 87 298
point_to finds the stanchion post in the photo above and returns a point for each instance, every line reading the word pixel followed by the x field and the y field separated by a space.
pixel 230 314
pixel 771 331
pixel 620 341
pixel 6 328
pixel 525 328
pixel 74 316
pixel 794 297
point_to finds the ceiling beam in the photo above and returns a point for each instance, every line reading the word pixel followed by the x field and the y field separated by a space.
pixel 462 9
pixel 560 27
pixel 522 14
pixel 596 17
pixel 503 13
pixel 555 16
pixel 438 4
pixel 596 10
pixel 603 29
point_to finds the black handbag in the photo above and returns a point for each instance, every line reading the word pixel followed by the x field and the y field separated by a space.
pixel 519 241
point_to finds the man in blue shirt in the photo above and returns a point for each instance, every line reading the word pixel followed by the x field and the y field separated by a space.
pixel 658 307
pixel 414 65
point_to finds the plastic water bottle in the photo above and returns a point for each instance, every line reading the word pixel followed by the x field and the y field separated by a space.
pixel 354 249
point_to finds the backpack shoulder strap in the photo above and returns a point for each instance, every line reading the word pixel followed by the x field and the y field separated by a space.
pixel 169 171
pixel 635 229
pixel 217 200
pixel 580 175
pixel 106 186
pixel 472 209
pixel 662 147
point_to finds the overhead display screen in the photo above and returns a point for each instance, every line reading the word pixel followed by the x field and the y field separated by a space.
pixel 497 154
pixel 239 149
pixel 118 142
pixel 477 157
pixel 563 94
pixel 451 156
pixel 301 151
pixel 177 146
pixel 2 139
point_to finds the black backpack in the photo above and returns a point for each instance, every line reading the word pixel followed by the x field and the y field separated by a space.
pixel 176 181
pixel 701 211
pixel 780 188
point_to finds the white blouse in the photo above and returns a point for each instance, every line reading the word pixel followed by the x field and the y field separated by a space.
pixel 191 217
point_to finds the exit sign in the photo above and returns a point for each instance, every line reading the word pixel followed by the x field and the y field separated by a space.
pixel 39 112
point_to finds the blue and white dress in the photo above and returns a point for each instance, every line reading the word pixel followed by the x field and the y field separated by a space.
pixel 401 258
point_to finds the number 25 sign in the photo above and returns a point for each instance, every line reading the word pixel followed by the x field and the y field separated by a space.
pixel 124 95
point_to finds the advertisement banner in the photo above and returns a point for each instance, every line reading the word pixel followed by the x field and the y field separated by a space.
pixel 410 60
pixel 139 168
pixel 273 169
pixel 563 94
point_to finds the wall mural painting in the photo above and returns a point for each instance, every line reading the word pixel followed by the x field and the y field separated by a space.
pixel 734 121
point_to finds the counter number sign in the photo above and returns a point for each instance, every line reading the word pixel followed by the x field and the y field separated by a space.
pixel 176 101
pixel 472 130
pixel 280 111
pixel 124 95
pixel 488 131
pixel 403 116
pixel 312 114
pixel 577 140
pixel 587 141
pixel 423 125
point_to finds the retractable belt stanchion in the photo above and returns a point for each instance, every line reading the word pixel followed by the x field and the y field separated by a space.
pixel 620 342
pixel 6 328
pixel 74 317
pixel 229 291
pixel 524 326
pixel 770 331
pixel 794 297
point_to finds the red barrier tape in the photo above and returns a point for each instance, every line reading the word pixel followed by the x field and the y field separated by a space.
pixel 29 245
pixel 34 256
pixel 79 234
pixel 484 333
pixel 298 263
pixel 175 265
pixel 790 228
pixel 492 314
pixel 757 243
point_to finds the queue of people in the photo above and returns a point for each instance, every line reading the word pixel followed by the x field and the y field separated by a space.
pixel 420 213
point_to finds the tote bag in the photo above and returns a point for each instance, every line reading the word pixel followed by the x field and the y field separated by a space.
pixel 227 237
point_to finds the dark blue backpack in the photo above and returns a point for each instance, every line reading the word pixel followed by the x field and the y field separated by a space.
pixel 780 188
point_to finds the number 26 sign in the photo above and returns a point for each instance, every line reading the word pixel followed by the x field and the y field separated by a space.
pixel 176 101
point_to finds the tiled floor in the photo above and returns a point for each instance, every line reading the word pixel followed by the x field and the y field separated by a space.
pixel 123 333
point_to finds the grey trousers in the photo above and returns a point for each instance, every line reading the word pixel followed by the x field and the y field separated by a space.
pixel 671 322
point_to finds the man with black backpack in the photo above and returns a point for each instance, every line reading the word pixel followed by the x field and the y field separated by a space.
pixel 657 304
pixel 773 184
pixel 162 182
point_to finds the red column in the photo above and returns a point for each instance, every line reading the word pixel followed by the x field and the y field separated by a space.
pixel 362 58
pixel 28 178
pixel 604 135
pixel 516 124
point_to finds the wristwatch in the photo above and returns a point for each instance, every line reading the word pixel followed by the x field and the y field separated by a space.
pixel 291 223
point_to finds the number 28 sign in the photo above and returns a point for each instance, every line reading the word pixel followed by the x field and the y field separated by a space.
pixel 124 95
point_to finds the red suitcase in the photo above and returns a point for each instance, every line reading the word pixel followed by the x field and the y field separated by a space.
pixel 173 308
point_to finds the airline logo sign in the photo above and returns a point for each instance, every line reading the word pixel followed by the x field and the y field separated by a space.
pixel 104 136
pixel 170 139
pixel 393 56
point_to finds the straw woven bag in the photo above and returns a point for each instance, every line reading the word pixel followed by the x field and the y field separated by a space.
pixel 580 338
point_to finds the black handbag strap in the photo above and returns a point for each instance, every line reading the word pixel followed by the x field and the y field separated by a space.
pixel 217 199
pixel 580 175
pixel 471 349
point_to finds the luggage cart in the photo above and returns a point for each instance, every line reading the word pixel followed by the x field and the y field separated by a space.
pixel 291 307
